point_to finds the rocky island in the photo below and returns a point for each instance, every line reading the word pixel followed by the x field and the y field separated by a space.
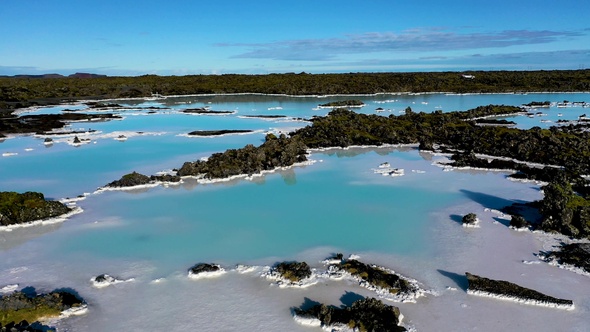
pixel 343 103
pixel 205 270
pixel 381 280
pixel 363 315
pixel 218 132
pixel 205 111
pixel 290 274
pixel 510 291
pixel 134 179
pixel 27 207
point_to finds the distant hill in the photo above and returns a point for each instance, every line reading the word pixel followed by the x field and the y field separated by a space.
pixel 86 75
pixel 76 75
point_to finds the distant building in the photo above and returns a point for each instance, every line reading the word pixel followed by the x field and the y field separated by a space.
pixel 468 76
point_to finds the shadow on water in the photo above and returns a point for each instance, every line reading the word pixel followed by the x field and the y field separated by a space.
pixel 348 298
pixel 457 218
pixel 459 279
pixel 306 305
pixel 504 222
pixel 489 201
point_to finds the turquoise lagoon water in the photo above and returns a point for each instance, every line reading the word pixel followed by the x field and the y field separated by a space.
pixel 336 204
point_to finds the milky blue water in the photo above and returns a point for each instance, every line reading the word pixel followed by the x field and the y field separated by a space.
pixel 337 203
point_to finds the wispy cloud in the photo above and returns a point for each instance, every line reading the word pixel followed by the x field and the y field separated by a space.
pixel 569 59
pixel 415 40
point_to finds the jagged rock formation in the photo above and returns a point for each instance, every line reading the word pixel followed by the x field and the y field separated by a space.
pixel 30 206
pixel 374 275
pixel 507 290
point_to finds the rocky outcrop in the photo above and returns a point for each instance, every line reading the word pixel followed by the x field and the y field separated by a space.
pixel 469 220
pixel 30 306
pixel 293 271
pixel 218 132
pixel 105 280
pixel 204 267
pixel 30 206
pixel 507 290
pixel 564 210
pixel 344 103
pixel 273 153
pixel 374 276
pixel 518 222
pixel 130 180
pixel 205 111
pixel 573 254
pixel 137 179
pixel 23 326
pixel 363 315
pixel 165 178
pixel 205 270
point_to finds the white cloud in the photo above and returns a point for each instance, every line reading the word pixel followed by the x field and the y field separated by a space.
pixel 415 40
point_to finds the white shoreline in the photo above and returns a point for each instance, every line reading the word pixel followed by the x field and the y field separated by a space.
pixel 521 300
pixel 47 221
pixel 201 180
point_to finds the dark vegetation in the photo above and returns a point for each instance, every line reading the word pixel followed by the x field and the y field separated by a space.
pixel 363 315
pixel 538 104
pixel 505 288
pixel 18 208
pixel 343 103
pixel 495 122
pixel 20 92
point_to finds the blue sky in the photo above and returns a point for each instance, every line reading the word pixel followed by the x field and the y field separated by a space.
pixel 322 36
